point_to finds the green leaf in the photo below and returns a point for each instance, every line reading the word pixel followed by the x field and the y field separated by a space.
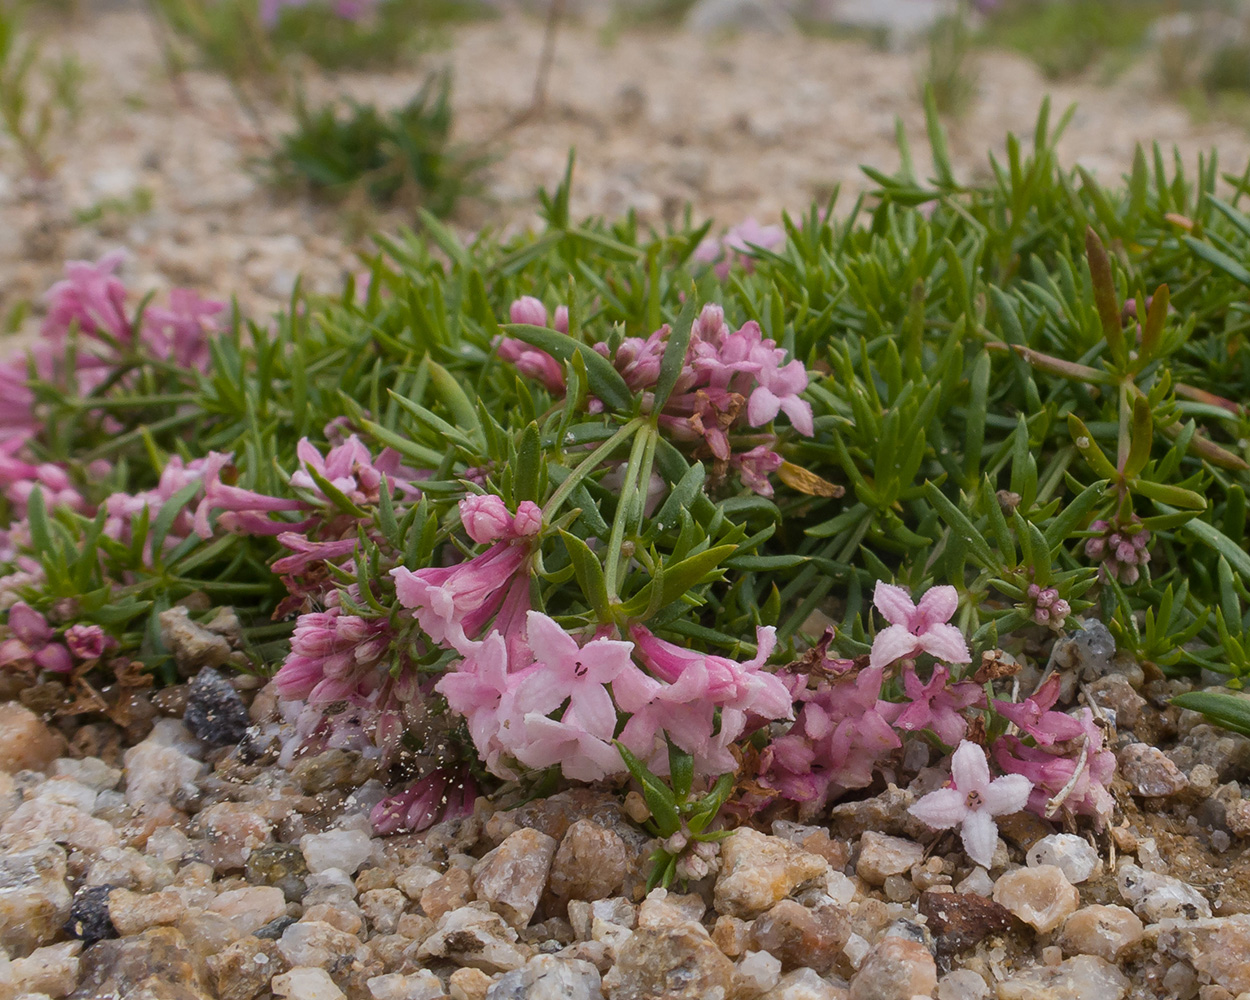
pixel 677 579
pixel 675 353
pixel 680 770
pixel 1105 295
pixel 1090 451
pixel 452 393
pixel 170 509
pixel 658 796
pixel 1218 259
pixel 590 576
pixel 605 381
pixel 1142 438
pixel 705 810
pixel 965 531
pixel 528 465
pixel 1173 495
pixel 1217 540
pixel 1228 710
pixel 1074 514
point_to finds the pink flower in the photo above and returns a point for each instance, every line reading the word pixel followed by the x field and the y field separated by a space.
pixel 452 603
pixel 445 793
pixel 563 670
pixel 973 801
pixel 180 331
pixel 31 641
pixel 737 244
pixel 916 628
pixel 778 392
pixel 936 706
pixel 88 642
pixel 483 688
pixel 583 755
pixel 1034 717
pixel 1070 777
pixel 755 466
pixel 90 298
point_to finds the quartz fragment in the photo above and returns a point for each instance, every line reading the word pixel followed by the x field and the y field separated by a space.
pixel 243 969
pixel 1041 896
pixel 473 935
pixel 306 983
pixel 34 900
pixel 1158 897
pixel 1085 977
pixel 758 871
pixel 1151 772
pixel 548 977
pixel 1068 852
pixel 422 985
pixel 591 862
pixel 881 856
pixel 512 876
pixel 26 743
pixel 799 936
pixel 1105 931
pixel 959 920
pixel 344 850
pixel 804 984
pixel 895 969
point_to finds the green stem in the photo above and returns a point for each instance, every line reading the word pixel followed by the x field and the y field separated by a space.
pixel 644 443
pixel 586 466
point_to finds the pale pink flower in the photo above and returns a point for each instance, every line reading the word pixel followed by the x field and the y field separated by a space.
pixel 1034 715
pixel 972 802
pixel 936 706
pixel 917 628
pixel 31 641
pixel 755 466
pixel 88 642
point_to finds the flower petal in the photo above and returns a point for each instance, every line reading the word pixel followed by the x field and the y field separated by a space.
pixel 894 603
pixel 946 643
pixel 970 769
pixel 892 643
pixel 980 837
pixel 937 605
pixel 1007 794
pixel 941 809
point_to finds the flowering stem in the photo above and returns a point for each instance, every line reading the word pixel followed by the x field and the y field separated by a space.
pixel 587 465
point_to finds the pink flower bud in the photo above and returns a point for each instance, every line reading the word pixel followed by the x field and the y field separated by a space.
pixel 88 642
pixel 54 657
pixel 485 517
pixel 351 628
pixel 528 520
pixel 1095 547
pixel 1041 616
pixel 1033 591
pixel 528 309
pixel 561 321
pixel 29 625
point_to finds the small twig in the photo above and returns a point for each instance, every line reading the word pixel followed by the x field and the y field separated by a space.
pixel 1053 805
pixel 555 12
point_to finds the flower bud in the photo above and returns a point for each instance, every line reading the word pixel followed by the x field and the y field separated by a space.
pixel 528 309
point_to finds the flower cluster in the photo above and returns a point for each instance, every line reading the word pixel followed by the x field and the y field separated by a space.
pixel 1048 607
pixel 1120 548
pixel 33 644
pixel 730 381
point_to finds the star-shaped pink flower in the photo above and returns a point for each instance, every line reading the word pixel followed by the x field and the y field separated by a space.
pixel 973 801
pixel 917 628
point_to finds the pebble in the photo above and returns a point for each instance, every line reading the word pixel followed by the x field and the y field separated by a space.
pixel 962 984
pixel 895 969
pixel 1156 897
pixel 512 876
pixel 1216 948
pixel 758 871
pixel 1089 650
pixel 158 769
pixel 305 983
pixel 669 955
pixel 39 820
pixel 133 912
pixel 468 984
pixel 1150 771
pixel 26 743
pixel 881 856
pixel 1041 896
pixel 414 880
pixel 1085 977
pixel 250 908
pixel 317 943
pixel 1073 855
pixel 422 985
pixel 231 832
pixel 449 892
pixel 344 850
pixel 590 863
pixel 52 970
pixel 89 918
pixel 1228 753
pixel 804 984
pixel 800 936
pixel 244 969
pixel 757 973
pixel 214 712
pixel 161 959
pixel 960 920
pixel 280 865
pixel 1105 931
pixel 34 900
pixel 383 907
pixel 547 977
pixel 713 16
pixel 473 935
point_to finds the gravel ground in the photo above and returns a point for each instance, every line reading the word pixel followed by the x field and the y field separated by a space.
pixel 150 854
pixel 140 859
pixel 739 127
